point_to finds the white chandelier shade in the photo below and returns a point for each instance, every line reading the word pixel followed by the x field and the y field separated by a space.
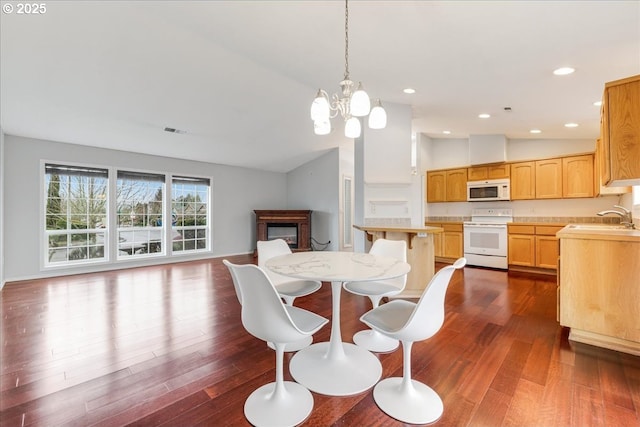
pixel 378 116
pixel 349 104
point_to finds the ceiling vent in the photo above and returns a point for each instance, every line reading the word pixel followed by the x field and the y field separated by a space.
pixel 485 149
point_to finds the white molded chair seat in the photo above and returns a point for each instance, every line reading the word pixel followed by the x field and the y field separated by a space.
pixel 265 316
pixel 405 399
pixel 288 288
pixel 376 290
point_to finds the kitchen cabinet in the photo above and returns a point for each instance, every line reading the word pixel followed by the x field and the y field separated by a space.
pixel 457 185
pixel 600 189
pixel 598 287
pixel 534 246
pixel 620 132
pixel 577 176
pixel 436 186
pixel 448 245
pixel 549 179
pixel 523 180
pixel 448 185
pixel 479 173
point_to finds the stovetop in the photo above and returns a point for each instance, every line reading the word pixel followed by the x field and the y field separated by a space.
pixel 491 216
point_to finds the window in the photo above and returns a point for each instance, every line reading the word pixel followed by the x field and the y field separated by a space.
pixel 75 214
pixel 140 201
pixel 189 213
pixel 88 218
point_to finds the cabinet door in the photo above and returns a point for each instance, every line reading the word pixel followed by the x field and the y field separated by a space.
pixel 453 246
pixel 437 239
pixel 522 250
pixel 598 162
pixel 436 185
pixel 498 171
pixel 549 179
pixel 547 252
pixel 623 120
pixel 523 181
pixel 456 186
pixel 577 176
pixel 477 173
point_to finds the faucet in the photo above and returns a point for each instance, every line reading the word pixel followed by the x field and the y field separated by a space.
pixel 625 216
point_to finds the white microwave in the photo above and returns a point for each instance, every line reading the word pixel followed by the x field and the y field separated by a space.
pixel 488 190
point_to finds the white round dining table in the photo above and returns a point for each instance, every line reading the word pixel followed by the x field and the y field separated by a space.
pixel 336 368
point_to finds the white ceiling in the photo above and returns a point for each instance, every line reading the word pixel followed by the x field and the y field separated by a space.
pixel 239 76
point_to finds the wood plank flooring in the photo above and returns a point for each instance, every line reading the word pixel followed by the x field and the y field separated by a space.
pixel 164 346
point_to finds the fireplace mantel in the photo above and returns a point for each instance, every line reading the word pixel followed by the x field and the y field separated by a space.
pixel 300 219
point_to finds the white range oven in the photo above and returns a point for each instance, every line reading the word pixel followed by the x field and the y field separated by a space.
pixel 485 237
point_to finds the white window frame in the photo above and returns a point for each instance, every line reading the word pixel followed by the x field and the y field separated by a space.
pixel 138 240
pixel 45 233
pixel 179 230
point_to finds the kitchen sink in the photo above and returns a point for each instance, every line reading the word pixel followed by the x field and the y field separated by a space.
pixel 596 227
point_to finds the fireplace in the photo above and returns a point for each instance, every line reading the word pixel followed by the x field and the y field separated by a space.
pixel 293 226
pixel 286 232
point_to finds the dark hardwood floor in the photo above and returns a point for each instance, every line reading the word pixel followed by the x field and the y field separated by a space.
pixel 164 345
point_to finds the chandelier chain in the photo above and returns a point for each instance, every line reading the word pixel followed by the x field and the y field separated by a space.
pixel 346 40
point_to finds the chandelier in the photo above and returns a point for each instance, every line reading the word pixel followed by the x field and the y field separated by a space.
pixel 349 104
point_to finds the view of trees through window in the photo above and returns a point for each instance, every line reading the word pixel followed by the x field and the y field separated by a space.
pixel 76 211
pixel 140 201
pixel 77 207
pixel 190 200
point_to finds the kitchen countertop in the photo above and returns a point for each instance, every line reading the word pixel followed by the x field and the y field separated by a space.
pixel 400 228
pixel 594 232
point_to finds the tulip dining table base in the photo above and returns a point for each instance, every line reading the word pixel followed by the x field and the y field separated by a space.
pixel 336 368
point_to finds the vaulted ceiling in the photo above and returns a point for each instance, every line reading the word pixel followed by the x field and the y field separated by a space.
pixel 239 76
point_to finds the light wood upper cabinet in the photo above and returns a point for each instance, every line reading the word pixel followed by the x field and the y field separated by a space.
pixel 448 185
pixel 600 189
pixel 479 173
pixel 523 181
pixel 436 186
pixel 620 132
pixel 577 176
pixel 549 179
pixel 456 186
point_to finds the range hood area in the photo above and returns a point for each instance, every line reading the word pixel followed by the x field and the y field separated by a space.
pixel 485 149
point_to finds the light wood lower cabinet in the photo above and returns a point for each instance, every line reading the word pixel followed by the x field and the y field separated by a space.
pixel 534 246
pixel 449 245
pixel 600 292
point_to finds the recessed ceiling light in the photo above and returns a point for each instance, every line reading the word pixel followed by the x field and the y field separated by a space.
pixel 484 116
pixel 571 125
pixel 597 103
pixel 409 90
pixel 446 132
pixel 563 71
pixel 535 131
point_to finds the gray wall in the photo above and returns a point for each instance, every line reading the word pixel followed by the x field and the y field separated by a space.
pixel 236 193
pixel 315 186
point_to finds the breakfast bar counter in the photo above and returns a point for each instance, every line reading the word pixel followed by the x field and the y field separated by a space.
pixel 420 252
